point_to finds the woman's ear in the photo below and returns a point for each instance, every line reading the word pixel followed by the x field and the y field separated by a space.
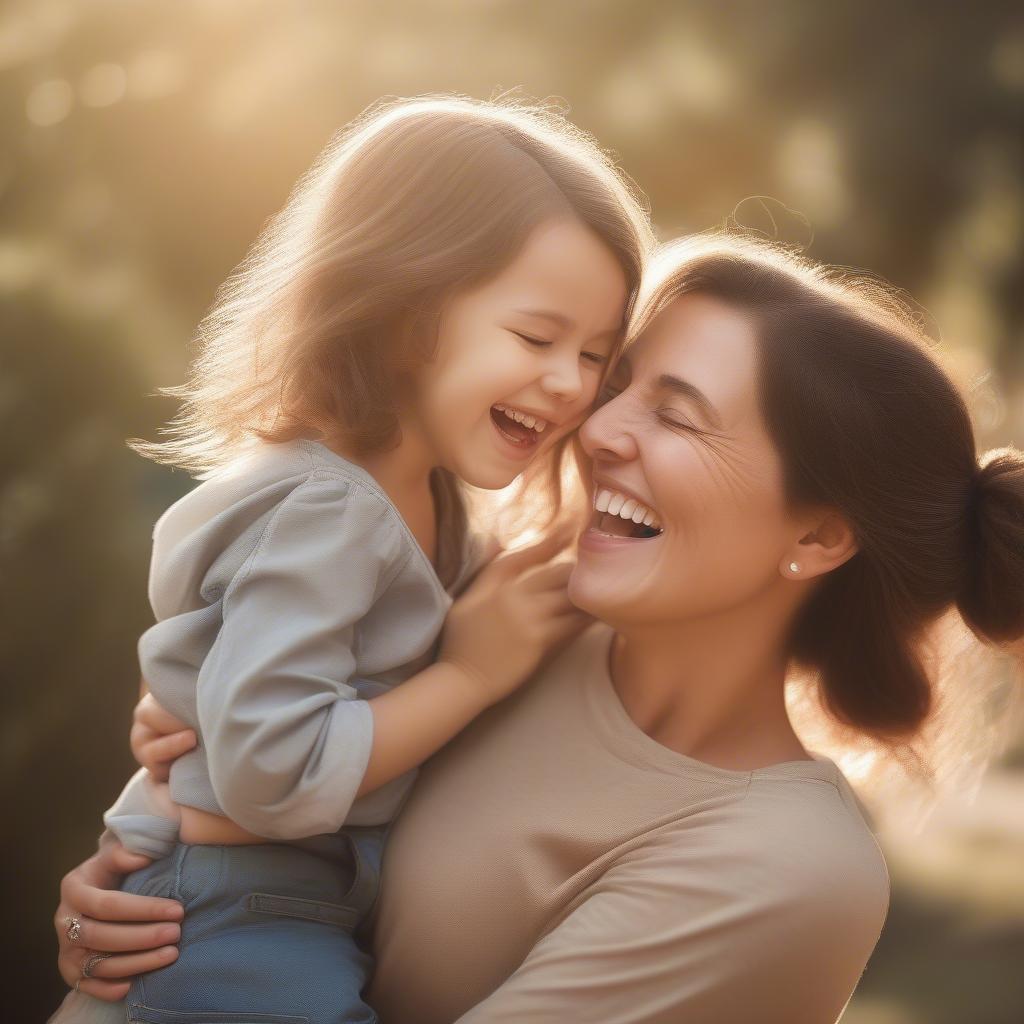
pixel 826 545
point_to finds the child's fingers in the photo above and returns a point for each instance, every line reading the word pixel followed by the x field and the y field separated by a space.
pixel 554 576
pixel 115 859
pixel 511 563
pixel 157 754
pixel 149 713
pixel 566 626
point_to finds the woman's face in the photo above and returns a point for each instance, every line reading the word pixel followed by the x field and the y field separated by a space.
pixel 681 433
pixel 519 358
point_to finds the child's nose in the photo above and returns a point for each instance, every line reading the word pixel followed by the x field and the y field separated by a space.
pixel 562 379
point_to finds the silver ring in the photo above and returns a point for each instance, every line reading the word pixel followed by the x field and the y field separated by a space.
pixel 74 929
pixel 91 962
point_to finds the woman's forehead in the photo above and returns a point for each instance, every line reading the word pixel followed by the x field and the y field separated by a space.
pixel 701 339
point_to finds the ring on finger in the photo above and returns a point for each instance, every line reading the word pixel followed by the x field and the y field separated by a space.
pixel 91 962
pixel 73 928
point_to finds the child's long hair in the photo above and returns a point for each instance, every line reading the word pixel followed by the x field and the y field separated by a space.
pixel 414 201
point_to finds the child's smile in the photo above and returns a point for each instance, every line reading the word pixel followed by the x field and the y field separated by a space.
pixel 521 430
pixel 519 358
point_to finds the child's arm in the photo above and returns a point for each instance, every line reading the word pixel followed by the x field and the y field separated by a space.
pixel 515 612
pixel 288 742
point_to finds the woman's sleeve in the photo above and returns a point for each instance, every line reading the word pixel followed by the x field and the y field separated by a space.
pixel 287 739
pixel 657 942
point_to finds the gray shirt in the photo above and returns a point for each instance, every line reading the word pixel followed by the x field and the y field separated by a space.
pixel 287 591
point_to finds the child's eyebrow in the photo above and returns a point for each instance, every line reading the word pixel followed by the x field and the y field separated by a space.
pixel 548 314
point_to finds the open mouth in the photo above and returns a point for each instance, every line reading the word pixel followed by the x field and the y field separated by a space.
pixel 619 515
pixel 520 429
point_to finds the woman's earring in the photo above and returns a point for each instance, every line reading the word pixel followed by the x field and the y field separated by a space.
pixel 794 568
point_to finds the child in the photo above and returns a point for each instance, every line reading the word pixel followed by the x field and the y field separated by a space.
pixel 434 307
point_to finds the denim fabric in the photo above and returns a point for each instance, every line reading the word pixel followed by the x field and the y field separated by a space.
pixel 272 933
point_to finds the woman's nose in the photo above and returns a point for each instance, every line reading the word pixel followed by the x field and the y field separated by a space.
pixel 605 434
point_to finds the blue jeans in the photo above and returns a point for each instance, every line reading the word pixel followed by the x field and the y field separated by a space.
pixel 272 933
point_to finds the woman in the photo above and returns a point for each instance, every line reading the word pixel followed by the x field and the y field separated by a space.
pixel 639 835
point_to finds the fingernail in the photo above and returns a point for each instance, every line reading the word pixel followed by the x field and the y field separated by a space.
pixel 169 933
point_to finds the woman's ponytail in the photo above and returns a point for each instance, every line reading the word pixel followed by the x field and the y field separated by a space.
pixel 992 599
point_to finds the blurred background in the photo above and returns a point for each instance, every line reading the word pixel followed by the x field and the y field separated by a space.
pixel 144 145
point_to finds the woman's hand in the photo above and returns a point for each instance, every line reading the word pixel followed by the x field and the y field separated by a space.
pixel 514 614
pixel 89 896
pixel 158 738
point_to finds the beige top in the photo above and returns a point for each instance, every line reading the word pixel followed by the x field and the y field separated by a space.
pixel 555 864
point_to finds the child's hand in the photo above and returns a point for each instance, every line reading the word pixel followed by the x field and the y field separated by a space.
pixel 515 613
pixel 158 738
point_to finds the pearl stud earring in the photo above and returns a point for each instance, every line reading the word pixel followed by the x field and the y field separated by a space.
pixel 793 567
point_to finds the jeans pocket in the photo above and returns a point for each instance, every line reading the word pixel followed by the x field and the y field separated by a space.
pixel 306 910
pixel 154 1015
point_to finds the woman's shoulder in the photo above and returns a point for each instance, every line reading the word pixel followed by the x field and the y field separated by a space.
pixel 801 830
pixel 794 843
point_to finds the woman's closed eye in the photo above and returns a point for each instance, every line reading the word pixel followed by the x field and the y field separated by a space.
pixel 672 418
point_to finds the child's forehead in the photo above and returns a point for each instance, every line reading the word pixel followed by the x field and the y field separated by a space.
pixel 564 276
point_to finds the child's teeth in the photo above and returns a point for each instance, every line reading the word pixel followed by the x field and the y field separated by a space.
pixel 627 510
pixel 615 504
pixel 531 422
pixel 648 519
pixel 638 514
pixel 603 497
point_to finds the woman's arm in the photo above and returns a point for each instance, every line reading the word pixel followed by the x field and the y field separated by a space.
pixel 655 943
pixel 138 930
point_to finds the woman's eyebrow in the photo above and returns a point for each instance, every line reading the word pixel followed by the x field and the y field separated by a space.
pixel 678 386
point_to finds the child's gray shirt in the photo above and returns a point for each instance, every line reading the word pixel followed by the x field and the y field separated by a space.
pixel 287 591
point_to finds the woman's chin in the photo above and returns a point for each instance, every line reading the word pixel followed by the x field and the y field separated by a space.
pixel 597 596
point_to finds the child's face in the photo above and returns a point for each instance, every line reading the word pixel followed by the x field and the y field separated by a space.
pixel 523 351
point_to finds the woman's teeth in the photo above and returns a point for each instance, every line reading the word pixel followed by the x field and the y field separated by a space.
pixel 533 422
pixel 627 508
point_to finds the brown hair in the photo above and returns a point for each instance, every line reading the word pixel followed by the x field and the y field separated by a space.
pixel 414 201
pixel 866 421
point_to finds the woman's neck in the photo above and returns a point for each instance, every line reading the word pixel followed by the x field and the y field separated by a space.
pixel 711 689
